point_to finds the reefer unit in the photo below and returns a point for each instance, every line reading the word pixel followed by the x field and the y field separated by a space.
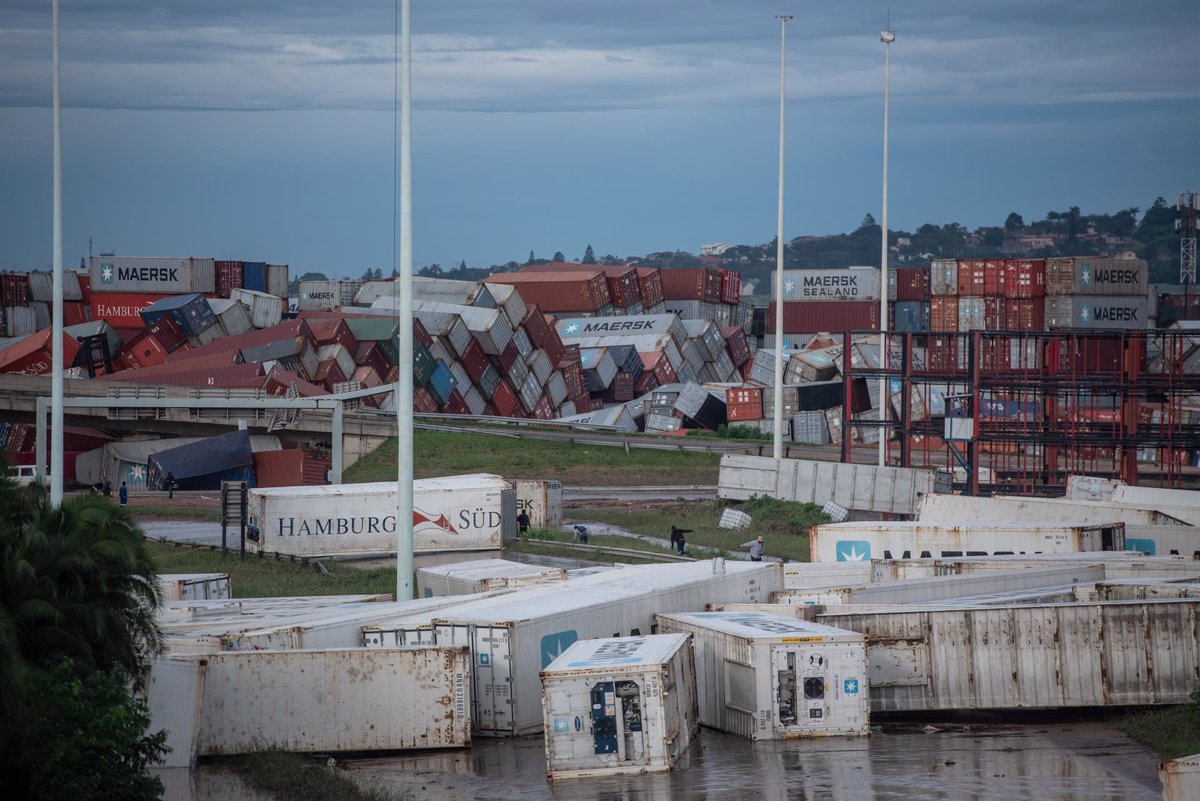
pixel 768 677
pixel 622 705
pixel 357 699
pixel 474 512
pixel 863 541
pixel 482 575
pixel 515 636
pixel 194 586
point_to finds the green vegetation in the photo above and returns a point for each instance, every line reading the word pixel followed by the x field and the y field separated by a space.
pixel 725 431
pixel 78 594
pixel 441 453
pixel 180 512
pixel 1171 731
pixel 291 777
pixel 783 524
pixel 265 577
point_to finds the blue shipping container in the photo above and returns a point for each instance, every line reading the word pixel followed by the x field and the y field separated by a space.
pixel 254 275
pixel 912 315
pixel 441 383
pixel 203 465
pixel 192 312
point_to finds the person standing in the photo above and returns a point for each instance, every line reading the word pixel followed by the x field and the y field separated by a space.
pixel 123 494
pixel 107 488
pixel 522 522
pixel 170 485
pixel 756 550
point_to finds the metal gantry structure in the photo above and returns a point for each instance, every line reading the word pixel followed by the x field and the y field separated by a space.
pixel 1018 412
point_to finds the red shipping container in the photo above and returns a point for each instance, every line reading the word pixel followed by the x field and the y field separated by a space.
pixel 651 286
pixel 943 314
pixel 228 277
pixel 290 329
pixel 543 410
pixel 573 378
pixel 420 334
pixel 507 358
pixel 622 280
pixel 369 354
pixel 121 309
pixel 295 467
pixel 74 312
pixel 145 351
pixel 279 381
pixel 328 374
pixel 995 355
pixel 423 401
pixel 190 374
pixel 565 291
pixel 744 403
pixel 836 316
pixel 943 354
pixel 168 332
pixel 731 286
pixel 14 289
pixel 504 398
pixel 553 345
pixel 912 284
pixel 736 344
pixel 971 277
pixel 683 284
pixel 474 360
pixel 34 355
pixel 85 287
pixel 1024 314
pixel 536 327
pixel 1023 278
pixel 993 277
pixel 333 330
pixel 455 404
pixel 993 313
pixel 621 388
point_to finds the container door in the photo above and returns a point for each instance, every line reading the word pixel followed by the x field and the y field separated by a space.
pixel 174 697
pixel 491 674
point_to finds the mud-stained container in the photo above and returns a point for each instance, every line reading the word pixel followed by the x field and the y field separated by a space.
pixel 769 677
pixel 357 699
pixel 1180 778
pixel 621 705
pixel 194 586
pixel 863 541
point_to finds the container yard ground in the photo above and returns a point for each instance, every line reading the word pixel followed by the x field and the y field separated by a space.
pixel 1052 761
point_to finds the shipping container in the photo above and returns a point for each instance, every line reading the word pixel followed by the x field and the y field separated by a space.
pixel 455 513
pixel 1028 656
pixel 850 283
pixel 650 284
pixel 490 327
pixel 619 706
pixel 1180 778
pixel 194 587
pixel 513 637
pixel 228 277
pixel 290 468
pixel 122 309
pixel 810 317
pixel 1087 275
pixel 483 575
pixel 357 699
pixel 232 315
pixel 967 509
pixel 204 464
pixel 164 276
pixel 276 280
pixel 265 310
pixel 943 278
pixel 320 295
pixel 765 676
pixel 1024 278
pixel 636 325
pixel 33 355
pixel 912 284
pixel 1104 311
pixel 564 291
pixel 191 312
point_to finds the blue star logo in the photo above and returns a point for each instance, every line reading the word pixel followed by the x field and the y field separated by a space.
pixel 853 550
pixel 554 644
pixel 107 273
pixel 850 686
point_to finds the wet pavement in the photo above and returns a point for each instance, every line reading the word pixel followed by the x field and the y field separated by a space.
pixel 1084 762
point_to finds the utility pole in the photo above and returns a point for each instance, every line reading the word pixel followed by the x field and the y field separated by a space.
pixel 777 450
pixel 404 388
pixel 56 330
pixel 887 37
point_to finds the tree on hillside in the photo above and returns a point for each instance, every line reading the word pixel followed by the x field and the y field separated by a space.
pixel 589 256
pixel 558 256
pixel 431 270
pixel 1014 222
pixel 868 222
pixel 530 258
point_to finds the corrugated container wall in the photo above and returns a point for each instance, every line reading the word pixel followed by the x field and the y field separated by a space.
pixel 851 283
pixel 1086 275
pixel 166 276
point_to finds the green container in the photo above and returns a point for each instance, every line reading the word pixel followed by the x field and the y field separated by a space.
pixel 423 365
pixel 373 329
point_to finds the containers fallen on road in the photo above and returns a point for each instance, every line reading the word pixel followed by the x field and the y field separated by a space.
pixel 866 540
pixel 766 676
pixel 474 512
pixel 621 705
pixel 194 586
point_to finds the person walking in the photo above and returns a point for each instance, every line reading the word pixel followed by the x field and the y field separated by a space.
pixel 170 485
pixel 677 538
pixel 107 488
pixel 756 550
pixel 123 494
pixel 522 522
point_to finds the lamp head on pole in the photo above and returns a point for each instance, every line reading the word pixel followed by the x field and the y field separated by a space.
pixel 887 36
pixel 784 17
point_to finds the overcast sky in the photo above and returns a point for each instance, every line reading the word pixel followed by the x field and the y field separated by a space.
pixel 264 131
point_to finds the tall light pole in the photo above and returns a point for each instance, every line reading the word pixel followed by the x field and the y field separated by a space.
pixel 56 331
pixel 887 36
pixel 777 451
pixel 404 387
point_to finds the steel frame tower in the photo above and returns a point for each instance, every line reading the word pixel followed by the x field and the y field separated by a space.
pixel 1186 207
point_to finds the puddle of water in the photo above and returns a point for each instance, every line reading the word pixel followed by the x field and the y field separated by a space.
pixel 1087 762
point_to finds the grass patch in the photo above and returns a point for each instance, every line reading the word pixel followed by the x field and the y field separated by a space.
pixel 549 548
pixel 291 777
pixel 440 453
pixel 180 512
pixel 1169 731
pixel 264 577
pixel 725 431
pixel 783 524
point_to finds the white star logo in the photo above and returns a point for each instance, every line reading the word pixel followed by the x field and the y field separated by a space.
pixel 1085 312
pixel 1085 275
pixel 106 273
pixel 571 329
pixel 789 287
pixel 137 472
pixel 851 685
pixel 852 555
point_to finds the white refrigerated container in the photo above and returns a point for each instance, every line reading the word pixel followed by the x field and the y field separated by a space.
pixel 482 575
